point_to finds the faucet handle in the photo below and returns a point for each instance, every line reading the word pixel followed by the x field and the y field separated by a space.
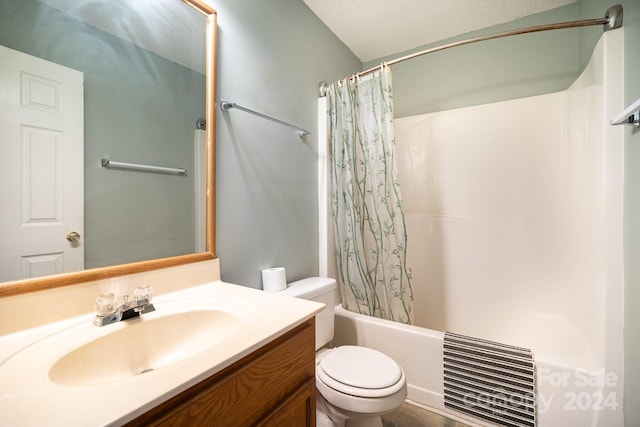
pixel 143 292
pixel 105 304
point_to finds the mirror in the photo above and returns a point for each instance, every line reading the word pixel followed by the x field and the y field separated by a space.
pixel 22 286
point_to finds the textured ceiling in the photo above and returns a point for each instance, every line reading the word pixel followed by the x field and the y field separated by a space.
pixel 376 28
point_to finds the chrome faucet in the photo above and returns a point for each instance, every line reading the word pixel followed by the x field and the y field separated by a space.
pixel 108 313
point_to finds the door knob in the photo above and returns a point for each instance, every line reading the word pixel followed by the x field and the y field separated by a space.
pixel 73 236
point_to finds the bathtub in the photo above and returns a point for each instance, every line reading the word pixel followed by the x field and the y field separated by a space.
pixel 565 396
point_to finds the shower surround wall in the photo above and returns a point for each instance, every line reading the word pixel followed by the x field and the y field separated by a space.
pixel 514 215
pixel 514 218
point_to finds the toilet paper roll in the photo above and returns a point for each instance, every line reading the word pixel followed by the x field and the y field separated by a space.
pixel 274 279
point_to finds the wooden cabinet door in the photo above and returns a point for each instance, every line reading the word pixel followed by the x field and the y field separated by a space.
pixel 298 410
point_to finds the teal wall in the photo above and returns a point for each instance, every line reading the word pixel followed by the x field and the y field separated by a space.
pixel 490 71
pixel 139 108
pixel 272 55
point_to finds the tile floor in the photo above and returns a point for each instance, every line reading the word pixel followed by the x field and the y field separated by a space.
pixel 413 416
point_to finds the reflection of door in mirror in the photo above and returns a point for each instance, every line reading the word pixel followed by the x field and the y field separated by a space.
pixel 41 147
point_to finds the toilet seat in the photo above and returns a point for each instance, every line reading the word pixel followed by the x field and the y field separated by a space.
pixel 360 371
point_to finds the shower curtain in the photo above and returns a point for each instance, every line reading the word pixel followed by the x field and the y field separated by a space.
pixel 370 234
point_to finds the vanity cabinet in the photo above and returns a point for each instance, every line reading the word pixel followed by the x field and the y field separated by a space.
pixel 273 386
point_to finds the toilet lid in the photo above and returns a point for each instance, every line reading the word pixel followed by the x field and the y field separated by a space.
pixel 361 367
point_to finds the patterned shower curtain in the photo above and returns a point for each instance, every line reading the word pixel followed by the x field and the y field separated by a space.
pixel 371 239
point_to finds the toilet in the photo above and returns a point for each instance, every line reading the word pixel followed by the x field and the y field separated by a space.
pixel 355 385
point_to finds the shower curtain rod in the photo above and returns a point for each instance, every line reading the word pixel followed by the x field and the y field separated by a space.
pixel 612 20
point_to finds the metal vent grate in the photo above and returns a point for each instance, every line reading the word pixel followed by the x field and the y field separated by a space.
pixel 489 380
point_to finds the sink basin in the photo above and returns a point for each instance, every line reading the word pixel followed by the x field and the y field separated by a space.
pixel 116 372
pixel 143 345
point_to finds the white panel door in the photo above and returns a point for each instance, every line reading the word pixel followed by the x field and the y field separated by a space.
pixel 41 167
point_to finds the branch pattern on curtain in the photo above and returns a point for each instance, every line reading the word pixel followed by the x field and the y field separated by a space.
pixel 371 238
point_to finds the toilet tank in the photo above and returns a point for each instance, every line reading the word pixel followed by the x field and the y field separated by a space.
pixel 319 289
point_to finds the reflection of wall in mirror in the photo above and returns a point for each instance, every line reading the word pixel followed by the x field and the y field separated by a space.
pixel 140 108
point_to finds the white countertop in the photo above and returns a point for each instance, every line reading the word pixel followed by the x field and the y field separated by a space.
pixel 28 396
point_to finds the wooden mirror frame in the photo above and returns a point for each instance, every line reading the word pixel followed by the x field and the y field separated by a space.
pixel 50 282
